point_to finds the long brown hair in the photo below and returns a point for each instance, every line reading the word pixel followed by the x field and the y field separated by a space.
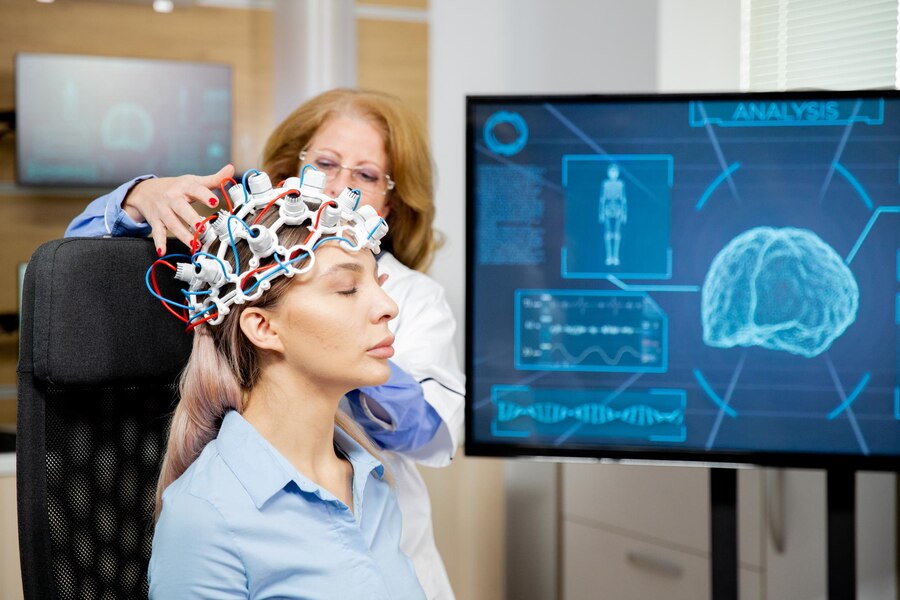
pixel 222 369
pixel 411 239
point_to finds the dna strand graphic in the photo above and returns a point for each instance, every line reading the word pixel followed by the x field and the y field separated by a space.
pixel 639 415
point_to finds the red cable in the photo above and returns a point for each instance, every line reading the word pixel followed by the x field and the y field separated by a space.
pixel 202 321
pixel 253 272
pixel 225 193
pixel 319 212
pixel 318 216
pixel 156 288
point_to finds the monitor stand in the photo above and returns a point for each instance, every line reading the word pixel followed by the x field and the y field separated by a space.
pixel 723 532
pixel 841 531
pixel 841 485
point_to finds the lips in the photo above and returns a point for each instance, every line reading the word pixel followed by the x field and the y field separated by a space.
pixel 384 348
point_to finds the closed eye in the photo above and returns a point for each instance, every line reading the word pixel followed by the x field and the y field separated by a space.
pixel 367 176
pixel 326 164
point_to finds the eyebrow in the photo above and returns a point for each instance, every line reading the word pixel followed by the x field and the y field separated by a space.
pixel 348 266
pixel 340 157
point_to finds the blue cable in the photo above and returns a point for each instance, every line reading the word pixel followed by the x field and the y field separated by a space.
pixel 244 223
pixel 329 239
pixel 244 184
pixel 150 286
pixel 202 312
pixel 282 266
pixel 303 171
pixel 358 197
pixel 237 261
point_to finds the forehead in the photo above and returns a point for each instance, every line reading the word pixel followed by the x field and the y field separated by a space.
pixel 333 257
pixel 350 136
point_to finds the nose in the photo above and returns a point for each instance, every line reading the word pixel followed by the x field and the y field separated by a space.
pixel 335 184
pixel 385 307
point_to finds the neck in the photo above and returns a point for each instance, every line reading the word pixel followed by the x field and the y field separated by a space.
pixel 297 417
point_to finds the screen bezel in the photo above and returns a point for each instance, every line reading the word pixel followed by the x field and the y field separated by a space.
pixel 616 453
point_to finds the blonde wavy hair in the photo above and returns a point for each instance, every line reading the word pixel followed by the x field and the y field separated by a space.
pixel 411 237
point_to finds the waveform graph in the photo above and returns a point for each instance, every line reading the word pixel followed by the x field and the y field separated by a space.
pixel 588 415
pixel 590 330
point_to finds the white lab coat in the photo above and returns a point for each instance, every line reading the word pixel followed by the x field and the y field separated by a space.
pixel 424 348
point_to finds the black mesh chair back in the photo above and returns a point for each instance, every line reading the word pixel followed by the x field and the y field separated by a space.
pixel 98 364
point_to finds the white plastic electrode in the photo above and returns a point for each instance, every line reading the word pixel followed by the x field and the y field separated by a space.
pixel 259 183
pixel 348 199
pixel 185 272
pixel 236 194
pixel 367 212
pixel 314 179
pixel 330 215
pixel 220 224
pixel 208 234
pixel 210 270
pixel 376 228
pixel 264 243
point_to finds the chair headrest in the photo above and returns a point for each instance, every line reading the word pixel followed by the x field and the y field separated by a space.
pixel 91 319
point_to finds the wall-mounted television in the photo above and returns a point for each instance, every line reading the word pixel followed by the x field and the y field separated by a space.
pixel 98 121
pixel 704 278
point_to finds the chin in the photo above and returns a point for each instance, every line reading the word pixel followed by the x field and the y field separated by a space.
pixel 376 374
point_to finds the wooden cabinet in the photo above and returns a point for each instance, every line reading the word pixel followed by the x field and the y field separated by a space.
pixel 10 575
pixel 602 564
pixel 643 532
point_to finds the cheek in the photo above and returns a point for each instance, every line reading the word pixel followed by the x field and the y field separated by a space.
pixel 311 329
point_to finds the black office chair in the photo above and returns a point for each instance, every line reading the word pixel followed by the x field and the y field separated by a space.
pixel 98 362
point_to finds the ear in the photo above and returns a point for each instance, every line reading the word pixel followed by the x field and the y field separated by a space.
pixel 256 324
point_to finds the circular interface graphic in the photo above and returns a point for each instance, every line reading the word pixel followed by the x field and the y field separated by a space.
pixel 505 133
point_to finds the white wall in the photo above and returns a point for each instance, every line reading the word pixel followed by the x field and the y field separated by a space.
pixel 523 46
pixel 699 45
pixel 315 50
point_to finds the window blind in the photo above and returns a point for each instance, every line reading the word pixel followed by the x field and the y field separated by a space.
pixel 829 44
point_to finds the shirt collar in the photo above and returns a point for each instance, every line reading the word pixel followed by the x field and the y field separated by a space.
pixel 263 471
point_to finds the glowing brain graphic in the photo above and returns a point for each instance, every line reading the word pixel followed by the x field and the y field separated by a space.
pixel 782 289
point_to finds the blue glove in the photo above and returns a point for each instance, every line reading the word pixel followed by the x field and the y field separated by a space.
pixel 398 417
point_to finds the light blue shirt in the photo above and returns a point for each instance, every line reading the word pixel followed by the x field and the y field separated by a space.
pixel 242 522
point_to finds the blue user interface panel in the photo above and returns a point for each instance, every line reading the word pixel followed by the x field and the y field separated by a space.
pixel 712 277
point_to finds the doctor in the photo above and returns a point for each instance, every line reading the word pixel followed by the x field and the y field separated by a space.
pixel 372 142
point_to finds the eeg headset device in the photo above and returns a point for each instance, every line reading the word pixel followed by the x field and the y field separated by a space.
pixel 214 285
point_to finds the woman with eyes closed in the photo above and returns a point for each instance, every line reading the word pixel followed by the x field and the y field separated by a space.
pixel 266 490
pixel 372 142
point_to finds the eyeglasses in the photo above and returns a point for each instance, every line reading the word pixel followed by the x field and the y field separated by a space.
pixel 365 177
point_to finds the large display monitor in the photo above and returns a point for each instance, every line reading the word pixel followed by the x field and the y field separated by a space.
pixel 98 121
pixel 708 277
